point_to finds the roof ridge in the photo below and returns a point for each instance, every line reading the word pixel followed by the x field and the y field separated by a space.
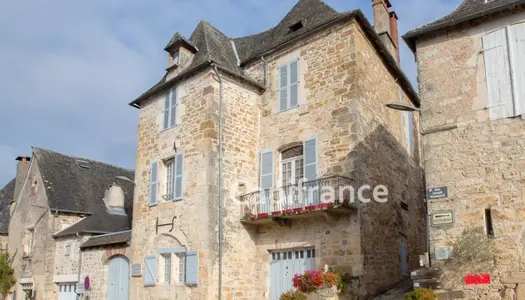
pixel 81 158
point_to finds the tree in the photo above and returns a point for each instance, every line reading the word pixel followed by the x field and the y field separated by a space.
pixel 7 279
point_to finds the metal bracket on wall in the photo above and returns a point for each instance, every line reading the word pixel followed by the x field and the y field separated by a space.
pixel 157 225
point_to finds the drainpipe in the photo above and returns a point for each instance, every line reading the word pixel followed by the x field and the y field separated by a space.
pixel 79 265
pixel 220 179
pixel 265 67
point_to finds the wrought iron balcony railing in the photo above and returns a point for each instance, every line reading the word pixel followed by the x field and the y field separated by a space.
pixel 297 198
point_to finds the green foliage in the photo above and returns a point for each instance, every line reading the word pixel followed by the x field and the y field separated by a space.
pixel 293 295
pixel 420 294
pixel 7 279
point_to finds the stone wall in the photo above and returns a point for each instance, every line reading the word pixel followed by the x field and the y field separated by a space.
pixel 482 162
pixel 95 263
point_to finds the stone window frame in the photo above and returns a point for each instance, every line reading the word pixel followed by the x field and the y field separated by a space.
pixel 175 271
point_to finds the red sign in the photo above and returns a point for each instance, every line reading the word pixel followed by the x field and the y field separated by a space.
pixel 87 283
pixel 477 279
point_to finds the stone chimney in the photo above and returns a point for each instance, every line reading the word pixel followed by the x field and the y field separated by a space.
pixel 21 173
pixel 385 24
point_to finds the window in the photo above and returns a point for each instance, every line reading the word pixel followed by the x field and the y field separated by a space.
pixel 505 71
pixel 292 166
pixel 288 85
pixel 167 267
pixel 175 57
pixel 170 108
pixel 67 250
pixel 28 242
pixel 488 222
pixel 169 177
pixel 182 268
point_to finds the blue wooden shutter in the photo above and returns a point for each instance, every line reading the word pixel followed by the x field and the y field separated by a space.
pixel 153 183
pixel 517 54
pixel 178 176
pixel 173 109
pixel 498 75
pixel 192 267
pixel 150 270
pixel 283 87
pixel 267 180
pixel 310 158
pixel 294 86
pixel 166 109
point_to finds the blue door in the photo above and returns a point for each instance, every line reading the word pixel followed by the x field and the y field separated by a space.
pixel 118 278
pixel 284 264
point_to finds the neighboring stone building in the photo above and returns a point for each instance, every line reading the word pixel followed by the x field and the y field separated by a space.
pixel 61 202
pixel 6 197
pixel 471 79
pixel 303 99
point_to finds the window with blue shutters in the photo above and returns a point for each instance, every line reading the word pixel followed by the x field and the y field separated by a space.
pixel 153 183
pixel 289 85
pixel 174 177
pixel 170 108
pixel 266 181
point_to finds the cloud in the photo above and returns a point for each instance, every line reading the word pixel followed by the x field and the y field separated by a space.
pixel 69 68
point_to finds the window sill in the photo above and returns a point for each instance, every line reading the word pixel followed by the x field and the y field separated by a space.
pixel 26 257
pixel 288 109
pixel 167 129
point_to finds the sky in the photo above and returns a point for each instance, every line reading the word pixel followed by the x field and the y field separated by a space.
pixel 68 69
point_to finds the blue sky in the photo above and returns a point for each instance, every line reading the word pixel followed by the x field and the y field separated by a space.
pixel 68 69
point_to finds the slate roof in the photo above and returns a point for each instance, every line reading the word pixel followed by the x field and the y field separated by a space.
pixel 214 47
pixel 75 184
pixel 108 239
pixel 6 197
pixel 467 11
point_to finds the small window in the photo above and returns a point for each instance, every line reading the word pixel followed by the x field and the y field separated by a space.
pixel 296 26
pixel 175 57
pixel 488 222
pixel 169 164
pixel 170 108
pixel 67 250
pixel 167 267
pixel 182 268
pixel 289 85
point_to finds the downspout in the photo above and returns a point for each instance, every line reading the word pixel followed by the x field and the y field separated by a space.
pixel 220 180
pixel 79 264
pixel 265 69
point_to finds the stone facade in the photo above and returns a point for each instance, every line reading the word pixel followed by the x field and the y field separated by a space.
pixel 482 162
pixel 343 89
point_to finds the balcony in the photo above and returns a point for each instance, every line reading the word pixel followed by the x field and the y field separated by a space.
pixel 327 197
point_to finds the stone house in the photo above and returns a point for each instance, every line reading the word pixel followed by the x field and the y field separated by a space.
pixel 6 196
pixel 228 135
pixel 471 74
pixel 61 204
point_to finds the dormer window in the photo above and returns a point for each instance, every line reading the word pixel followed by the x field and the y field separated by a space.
pixel 296 26
pixel 175 58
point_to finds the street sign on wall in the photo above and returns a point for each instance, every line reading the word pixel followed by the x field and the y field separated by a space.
pixel 437 193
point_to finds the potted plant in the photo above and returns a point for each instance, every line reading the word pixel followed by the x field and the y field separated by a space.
pixel 324 283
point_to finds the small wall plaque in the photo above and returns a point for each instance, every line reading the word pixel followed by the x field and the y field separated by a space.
pixel 443 253
pixel 437 193
pixel 442 218
pixel 136 270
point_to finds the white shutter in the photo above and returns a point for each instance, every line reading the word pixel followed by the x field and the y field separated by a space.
pixel 267 181
pixel 294 86
pixel 153 183
pixel 178 177
pixel 173 109
pixel 517 54
pixel 310 159
pixel 150 270
pixel 166 109
pixel 283 87
pixel 192 267
pixel 498 75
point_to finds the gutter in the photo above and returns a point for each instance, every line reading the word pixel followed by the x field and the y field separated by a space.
pixel 411 36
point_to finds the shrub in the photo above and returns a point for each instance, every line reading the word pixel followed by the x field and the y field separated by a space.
pixel 312 280
pixel 421 294
pixel 293 295
pixel 7 279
